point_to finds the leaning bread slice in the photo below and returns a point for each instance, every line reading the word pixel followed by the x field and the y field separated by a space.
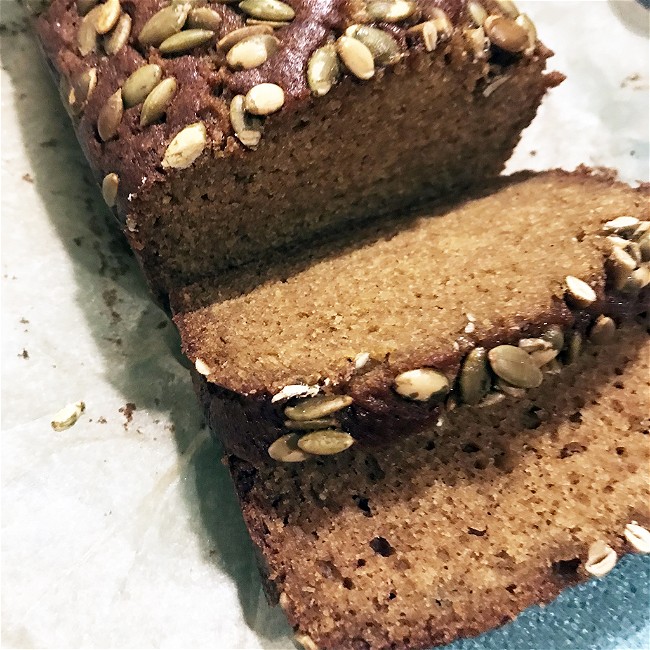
pixel 377 333
pixel 456 529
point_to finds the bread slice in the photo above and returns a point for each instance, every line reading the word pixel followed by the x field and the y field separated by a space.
pixel 456 529
pixel 200 184
pixel 393 323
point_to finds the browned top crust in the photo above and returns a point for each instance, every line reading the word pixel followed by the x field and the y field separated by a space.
pixel 206 84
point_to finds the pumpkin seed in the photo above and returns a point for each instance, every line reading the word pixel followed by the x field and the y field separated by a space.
pixel 67 416
pixel 603 330
pixel 491 399
pixel 163 24
pixel 390 11
pixel 474 381
pixel 619 266
pixel 202 367
pixel 477 13
pixel 305 642
pixel 232 38
pixel 275 24
pixel 264 99
pixel 107 16
pixel 506 33
pixel 267 9
pixel 119 37
pixel 110 116
pixel 477 42
pixel 326 442
pixel 314 408
pixel 421 384
pixel 515 366
pixel 248 128
pixel 641 277
pixel 542 357
pixel 323 69
pixel 624 225
pixel 157 101
pixel 638 537
pixel 508 7
pixel 509 389
pixel 186 147
pixel 644 247
pixel 579 292
pixel 428 32
pixel 140 83
pixel 555 336
pixel 601 559
pixel 203 18
pixel 311 425
pixel 531 31
pixel 84 6
pixel 553 367
pixel 81 90
pixel 383 47
pixel 110 185
pixel 574 348
pixel 442 22
pixel 630 247
pixel 252 51
pixel 185 40
pixel 285 449
pixel 642 229
pixel 87 34
pixel 530 345
pixel 356 57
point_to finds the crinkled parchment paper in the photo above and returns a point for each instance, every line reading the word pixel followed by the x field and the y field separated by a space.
pixel 123 531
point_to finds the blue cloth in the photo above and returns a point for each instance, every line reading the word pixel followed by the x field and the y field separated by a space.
pixel 612 613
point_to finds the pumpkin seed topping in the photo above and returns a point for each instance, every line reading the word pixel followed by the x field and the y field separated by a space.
pixel 326 442
pixel 442 22
pixel 428 32
pixel 323 69
pixel 619 266
pixel 356 57
pixel 264 99
pixel 163 24
pixel 314 408
pixel 285 450
pixel 252 51
pixel 232 38
pixel 624 225
pixel 515 366
pixel 477 42
pixel 541 357
pixel 202 367
pixel 603 330
pixel 474 381
pixel 601 559
pixel 555 336
pixel 157 101
pixel 107 16
pixel 186 40
pixel 534 345
pixel 274 24
pixel 506 33
pixel 268 9
pixel 574 348
pixel 311 425
pixel 203 18
pixel 390 11
pixel 186 147
pixel 531 31
pixel 579 291
pixel 477 13
pixel 384 48
pixel 67 416
pixel 508 7
pixel 110 186
pixel 140 83
pixel 87 33
pixel 248 128
pixel 421 384
pixel 110 116
pixel 638 537
pixel 119 36
pixel 81 90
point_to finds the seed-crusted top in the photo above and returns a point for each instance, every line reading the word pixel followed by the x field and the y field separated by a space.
pixel 202 76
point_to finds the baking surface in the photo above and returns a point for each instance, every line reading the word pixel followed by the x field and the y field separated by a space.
pixel 123 531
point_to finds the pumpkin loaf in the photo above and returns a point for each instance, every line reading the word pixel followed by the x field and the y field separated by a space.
pixel 455 530
pixel 218 130
pixel 360 339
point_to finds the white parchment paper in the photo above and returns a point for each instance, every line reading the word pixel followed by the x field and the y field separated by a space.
pixel 123 531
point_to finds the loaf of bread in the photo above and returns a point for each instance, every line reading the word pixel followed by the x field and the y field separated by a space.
pixel 218 130
pixel 361 340
pixel 458 528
